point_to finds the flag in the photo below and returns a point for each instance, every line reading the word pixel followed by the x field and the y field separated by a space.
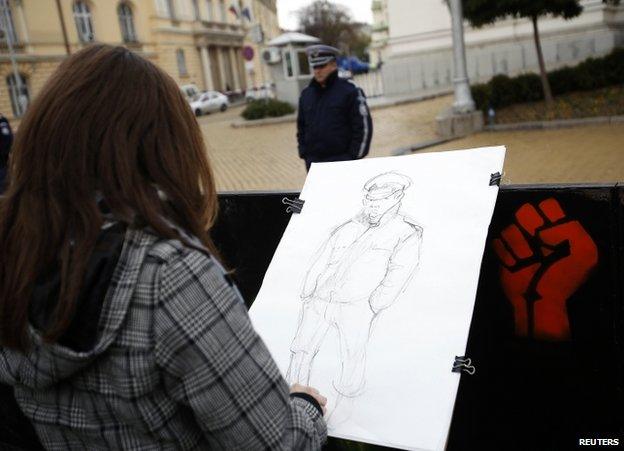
pixel 246 13
pixel 233 10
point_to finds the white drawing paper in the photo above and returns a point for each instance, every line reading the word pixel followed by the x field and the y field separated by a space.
pixel 370 293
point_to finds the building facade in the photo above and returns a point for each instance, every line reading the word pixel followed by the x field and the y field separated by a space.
pixel 417 53
pixel 197 42
pixel 262 26
pixel 380 32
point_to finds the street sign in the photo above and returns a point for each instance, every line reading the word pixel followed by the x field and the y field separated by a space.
pixel 248 53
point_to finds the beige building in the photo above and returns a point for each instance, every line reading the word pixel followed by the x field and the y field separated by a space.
pixel 197 42
pixel 261 28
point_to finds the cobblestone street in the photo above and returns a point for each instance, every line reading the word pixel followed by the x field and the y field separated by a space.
pixel 265 157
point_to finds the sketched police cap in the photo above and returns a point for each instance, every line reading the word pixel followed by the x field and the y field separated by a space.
pixel 320 54
pixel 386 184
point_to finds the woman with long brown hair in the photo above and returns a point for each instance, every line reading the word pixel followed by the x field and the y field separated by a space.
pixel 118 326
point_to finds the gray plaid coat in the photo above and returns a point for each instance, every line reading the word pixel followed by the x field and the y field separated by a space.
pixel 177 365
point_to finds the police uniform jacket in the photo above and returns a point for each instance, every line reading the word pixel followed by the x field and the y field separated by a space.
pixel 334 122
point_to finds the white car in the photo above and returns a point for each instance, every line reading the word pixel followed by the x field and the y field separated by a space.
pixel 208 102
pixel 262 92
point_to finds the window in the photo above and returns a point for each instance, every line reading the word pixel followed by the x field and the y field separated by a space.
pixel 222 11
pixel 304 65
pixel 181 62
pixel 7 18
pixel 19 94
pixel 171 12
pixel 84 25
pixel 210 10
pixel 126 23
pixel 196 10
pixel 289 64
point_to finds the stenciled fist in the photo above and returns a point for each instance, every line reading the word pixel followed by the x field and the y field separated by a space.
pixel 545 258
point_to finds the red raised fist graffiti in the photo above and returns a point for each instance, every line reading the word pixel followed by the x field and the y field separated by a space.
pixel 545 257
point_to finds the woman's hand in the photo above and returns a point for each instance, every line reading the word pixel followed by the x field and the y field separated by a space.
pixel 322 400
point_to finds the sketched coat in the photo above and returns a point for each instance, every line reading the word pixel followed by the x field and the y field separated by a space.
pixel 360 270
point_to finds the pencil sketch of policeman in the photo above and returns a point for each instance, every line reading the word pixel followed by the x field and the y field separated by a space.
pixel 357 273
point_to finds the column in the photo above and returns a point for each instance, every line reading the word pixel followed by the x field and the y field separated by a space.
pixel 221 61
pixel 463 98
pixel 205 60
pixel 235 68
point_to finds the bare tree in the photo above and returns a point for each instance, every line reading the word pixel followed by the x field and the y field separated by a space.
pixel 333 25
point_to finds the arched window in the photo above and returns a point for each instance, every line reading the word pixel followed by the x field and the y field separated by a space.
pixel 126 23
pixel 84 25
pixel 181 62
pixel 18 92
pixel 6 19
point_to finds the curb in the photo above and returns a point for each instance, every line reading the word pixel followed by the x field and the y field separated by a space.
pixel 559 123
pixel 412 99
pixel 373 106
pixel 261 122
pixel 423 145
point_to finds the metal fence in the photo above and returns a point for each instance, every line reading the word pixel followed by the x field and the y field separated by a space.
pixel 371 83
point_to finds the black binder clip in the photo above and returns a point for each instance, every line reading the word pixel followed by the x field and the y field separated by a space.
pixel 294 205
pixel 462 363
pixel 495 179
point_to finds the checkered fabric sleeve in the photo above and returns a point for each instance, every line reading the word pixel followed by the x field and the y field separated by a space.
pixel 215 363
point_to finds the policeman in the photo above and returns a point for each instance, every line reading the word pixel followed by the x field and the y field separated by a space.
pixel 333 123
pixel 6 139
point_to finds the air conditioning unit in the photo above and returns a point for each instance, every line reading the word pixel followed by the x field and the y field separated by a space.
pixel 272 55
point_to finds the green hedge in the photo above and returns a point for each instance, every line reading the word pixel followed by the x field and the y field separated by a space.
pixel 259 109
pixel 593 73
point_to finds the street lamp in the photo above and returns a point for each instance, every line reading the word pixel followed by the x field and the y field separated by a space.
pixel 463 98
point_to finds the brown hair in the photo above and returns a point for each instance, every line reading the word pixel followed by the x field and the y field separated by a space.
pixel 108 121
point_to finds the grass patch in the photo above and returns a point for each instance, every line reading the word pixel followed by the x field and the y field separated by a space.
pixel 601 102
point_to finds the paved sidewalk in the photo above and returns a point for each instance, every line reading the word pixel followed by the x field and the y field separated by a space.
pixel 265 158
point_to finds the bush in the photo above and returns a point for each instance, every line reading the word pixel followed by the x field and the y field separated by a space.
pixel 481 95
pixel 528 88
pixel 591 74
pixel 259 109
pixel 563 80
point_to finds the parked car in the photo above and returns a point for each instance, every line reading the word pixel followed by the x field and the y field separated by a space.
pixel 353 64
pixel 210 101
pixel 261 92
pixel 191 92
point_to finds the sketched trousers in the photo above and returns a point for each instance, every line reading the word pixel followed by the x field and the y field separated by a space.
pixel 352 321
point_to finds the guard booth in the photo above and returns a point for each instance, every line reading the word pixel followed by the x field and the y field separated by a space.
pixel 527 393
pixel 288 64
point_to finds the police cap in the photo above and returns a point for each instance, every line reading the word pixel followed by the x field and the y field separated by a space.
pixel 320 54
pixel 386 184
